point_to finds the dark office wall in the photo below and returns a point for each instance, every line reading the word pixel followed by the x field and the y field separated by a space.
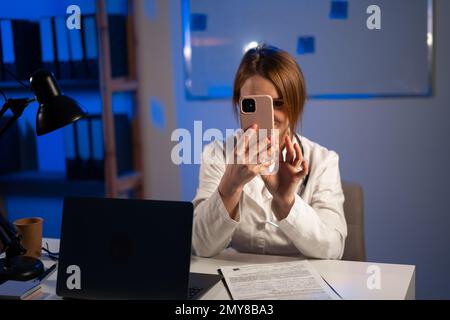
pixel 398 149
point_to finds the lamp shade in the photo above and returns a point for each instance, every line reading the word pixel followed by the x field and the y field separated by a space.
pixel 56 110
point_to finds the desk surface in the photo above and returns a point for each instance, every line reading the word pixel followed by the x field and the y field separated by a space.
pixel 348 278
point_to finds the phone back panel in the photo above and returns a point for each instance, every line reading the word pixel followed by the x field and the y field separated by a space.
pixel 263 115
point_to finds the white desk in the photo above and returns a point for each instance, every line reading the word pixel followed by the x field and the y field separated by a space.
pixel 348 278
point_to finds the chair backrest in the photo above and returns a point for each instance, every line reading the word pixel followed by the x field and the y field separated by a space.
pixel 3 214
pixel 355 248
pixel 2 206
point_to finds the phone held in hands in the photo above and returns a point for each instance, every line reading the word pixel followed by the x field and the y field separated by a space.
pixel 258 109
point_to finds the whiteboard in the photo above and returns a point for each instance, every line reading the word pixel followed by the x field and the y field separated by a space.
pixel 348 61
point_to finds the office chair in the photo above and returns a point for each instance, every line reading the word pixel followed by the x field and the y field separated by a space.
pixel 355 248
pixel 2 213
pixel 2 206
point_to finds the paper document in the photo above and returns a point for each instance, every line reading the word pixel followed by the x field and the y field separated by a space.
pixel 296 280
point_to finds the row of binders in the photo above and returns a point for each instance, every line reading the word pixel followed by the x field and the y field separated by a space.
pixel 27 45
pixel 85 149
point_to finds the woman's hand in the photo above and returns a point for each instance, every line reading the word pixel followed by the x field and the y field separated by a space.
pixel 243 169
pixel 284 183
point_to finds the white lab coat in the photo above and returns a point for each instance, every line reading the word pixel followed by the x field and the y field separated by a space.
pixel 315 226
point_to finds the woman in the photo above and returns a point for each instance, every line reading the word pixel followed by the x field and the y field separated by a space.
pixel 297 210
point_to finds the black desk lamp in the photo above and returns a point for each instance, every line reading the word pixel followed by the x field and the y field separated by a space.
pixel 16 266
pixel 55 111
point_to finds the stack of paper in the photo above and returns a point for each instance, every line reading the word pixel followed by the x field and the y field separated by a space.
pixel 286 280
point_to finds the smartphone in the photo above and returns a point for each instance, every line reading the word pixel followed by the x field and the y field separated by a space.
pixel 256 109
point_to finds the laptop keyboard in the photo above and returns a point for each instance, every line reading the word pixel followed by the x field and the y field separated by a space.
pixel 193 291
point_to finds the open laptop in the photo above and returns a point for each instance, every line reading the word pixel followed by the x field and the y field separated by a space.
pixel 128 249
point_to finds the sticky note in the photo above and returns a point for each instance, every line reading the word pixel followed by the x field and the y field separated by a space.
pixel 306 45
pixel 157 114
pixel 198 22
pixel 339 10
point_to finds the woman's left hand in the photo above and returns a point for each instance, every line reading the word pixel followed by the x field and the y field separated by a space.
pixel 284 183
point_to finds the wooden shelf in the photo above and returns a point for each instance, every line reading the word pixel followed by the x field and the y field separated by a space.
pixel 115 185
pixel 48 184
pixel 129 181
pixel 69 84
pixel 123 84
pixel 51 184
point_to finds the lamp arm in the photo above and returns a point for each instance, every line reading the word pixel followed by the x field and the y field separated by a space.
pixel 17 106
pixel 5 231
pixel 16 266
pixel 9 238
pixel 5 107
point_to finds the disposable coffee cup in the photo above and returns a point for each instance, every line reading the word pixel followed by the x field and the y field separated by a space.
pixel 30 230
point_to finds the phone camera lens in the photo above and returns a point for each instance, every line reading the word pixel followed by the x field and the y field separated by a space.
pixel 248 105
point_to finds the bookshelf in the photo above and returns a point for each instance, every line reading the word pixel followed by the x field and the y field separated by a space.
pixel 33 183
pixel 116 185
pixel 107 83
pixel 66 84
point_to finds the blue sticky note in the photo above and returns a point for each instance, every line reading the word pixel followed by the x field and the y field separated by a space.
pixel 150 9
pixel 198 22
pixel 157 114
pixel 339 10
pixel 306 45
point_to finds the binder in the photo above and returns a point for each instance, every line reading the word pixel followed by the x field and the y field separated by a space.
pixel 10 151
pixel 123 141
pixel 62 48
pixel 77 58
pixel 47 45
pixel 9 59
pixel 118 45
pixel 85 149
pixel 27 47
pixel 69 144
pixel 84 157
pixel 89 29
pixel 1 58
pixel 97 139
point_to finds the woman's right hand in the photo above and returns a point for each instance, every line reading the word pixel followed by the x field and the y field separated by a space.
pixel 247 164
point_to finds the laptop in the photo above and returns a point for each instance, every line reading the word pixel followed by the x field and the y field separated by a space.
pixel 128 249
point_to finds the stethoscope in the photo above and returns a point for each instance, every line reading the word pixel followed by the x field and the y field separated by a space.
pixel 305 178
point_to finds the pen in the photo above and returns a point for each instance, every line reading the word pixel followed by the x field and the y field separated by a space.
pixel 47 272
